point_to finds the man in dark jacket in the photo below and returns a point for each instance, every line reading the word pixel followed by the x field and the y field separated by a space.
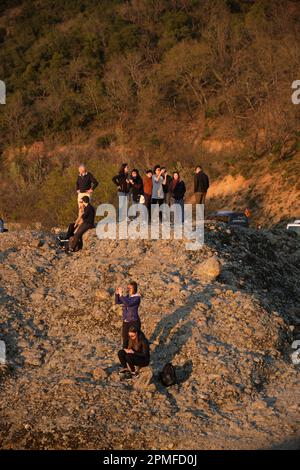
pixel 86 183
pixel 88 222
pixel 201 185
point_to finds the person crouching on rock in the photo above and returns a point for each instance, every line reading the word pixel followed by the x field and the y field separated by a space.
pixel 136 354
pixel 88 222
pixel 131 303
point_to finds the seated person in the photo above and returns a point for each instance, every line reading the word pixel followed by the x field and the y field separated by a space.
pixel 73 227
pixel 88 222
pixel 137 353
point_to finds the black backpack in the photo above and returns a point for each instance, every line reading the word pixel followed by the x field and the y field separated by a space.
pixel 168 375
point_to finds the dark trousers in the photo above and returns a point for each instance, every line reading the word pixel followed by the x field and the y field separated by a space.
pixel 167 198
pixel 125 330
pixel 148 204
pixel 200 198
pixel 70 231
pixel 180 202
pixel 131 360
pixel 159 202
pixel 84 227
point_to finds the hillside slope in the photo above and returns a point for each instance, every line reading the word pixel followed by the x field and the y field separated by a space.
pixel 172 82
pixel 225 315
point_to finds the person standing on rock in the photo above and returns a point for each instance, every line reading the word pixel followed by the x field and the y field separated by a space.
pixel 158 179
pixel 88 222
pixel 136 186
pixel 147 183
pixel 166 185
pixel 177 191
pixel 131 303
pixel 86 183
pixel 137 353
pixel 201 185
pixel 121 180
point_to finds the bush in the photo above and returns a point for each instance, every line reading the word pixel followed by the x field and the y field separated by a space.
pixel 105 141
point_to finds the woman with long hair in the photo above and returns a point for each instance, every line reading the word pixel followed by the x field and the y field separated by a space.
pixel 147 184
pixel 136 186
pixel 121 180
pixel 136 354
pixel 178 190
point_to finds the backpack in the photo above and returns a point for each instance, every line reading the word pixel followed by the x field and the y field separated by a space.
pixel 168 375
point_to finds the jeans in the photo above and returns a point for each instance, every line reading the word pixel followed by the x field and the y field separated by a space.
pixel 180 203
pixel 167 198
pixel 155 201
pixel 148 204
pixel 123 202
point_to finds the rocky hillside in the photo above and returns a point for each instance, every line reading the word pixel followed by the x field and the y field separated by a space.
pixel 225 315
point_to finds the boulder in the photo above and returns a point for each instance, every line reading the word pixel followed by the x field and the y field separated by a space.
pixel 209 269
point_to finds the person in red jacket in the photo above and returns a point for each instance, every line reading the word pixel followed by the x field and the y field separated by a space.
pixel 147 181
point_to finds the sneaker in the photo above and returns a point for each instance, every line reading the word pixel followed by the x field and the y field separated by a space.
pixel 127 375
pixel 62 239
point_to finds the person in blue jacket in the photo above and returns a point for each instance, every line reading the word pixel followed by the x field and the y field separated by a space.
pixel 131 303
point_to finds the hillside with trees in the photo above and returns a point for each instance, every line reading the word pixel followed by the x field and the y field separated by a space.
pixel 146 81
